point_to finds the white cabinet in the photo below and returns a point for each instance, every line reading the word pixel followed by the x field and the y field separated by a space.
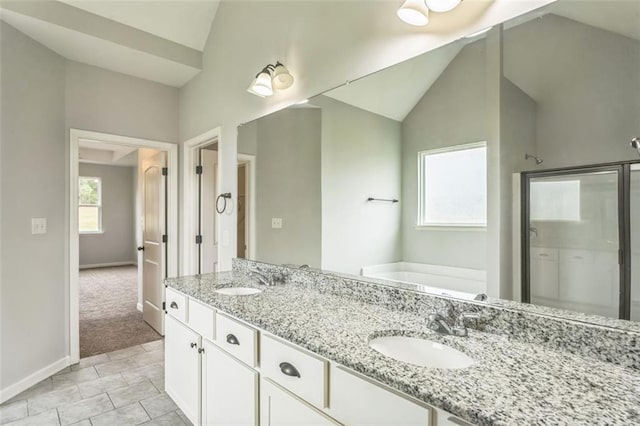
pixel 357 401
pixel 182 372
pixel 281 408
pixel 229 389
pixel 544 273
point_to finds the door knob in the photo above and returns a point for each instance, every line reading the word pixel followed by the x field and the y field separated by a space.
pixel 141 248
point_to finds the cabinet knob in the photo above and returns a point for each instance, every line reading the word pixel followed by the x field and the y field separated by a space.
pixel 193 345
pixel 232 340
pixel 289 370
pixel 201 350
pixel 141 248
pixel 173 305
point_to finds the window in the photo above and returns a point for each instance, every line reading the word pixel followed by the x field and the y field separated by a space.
pixel 90 205
pixel 452 187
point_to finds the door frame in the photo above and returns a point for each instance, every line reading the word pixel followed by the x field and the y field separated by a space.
pixel 188 208
pixel 171 264
pixel 250 224
pixel 623 169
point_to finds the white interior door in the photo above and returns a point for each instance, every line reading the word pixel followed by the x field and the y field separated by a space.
pixel 152 231
pixel 208 215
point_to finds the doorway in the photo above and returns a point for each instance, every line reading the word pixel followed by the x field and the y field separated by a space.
pixel 123 205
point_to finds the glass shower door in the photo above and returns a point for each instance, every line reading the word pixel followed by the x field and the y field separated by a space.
pixel 634 201
pixel 574 240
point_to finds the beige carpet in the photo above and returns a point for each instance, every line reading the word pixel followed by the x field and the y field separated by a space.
pixel 109 319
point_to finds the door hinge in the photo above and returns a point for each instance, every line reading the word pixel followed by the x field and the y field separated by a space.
pixel 164 306
pixel 165 171
pixel 198 239
pixel 164 238
pixel 198 170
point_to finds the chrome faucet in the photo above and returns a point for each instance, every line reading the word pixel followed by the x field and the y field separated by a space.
pixel 265 278
pixel 438 323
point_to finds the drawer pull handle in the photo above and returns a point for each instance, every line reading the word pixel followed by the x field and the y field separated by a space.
pixel 544 255
pixel 289 370
pixel 173 305
pixel 578 257
pixel 232 340
pixel 193 345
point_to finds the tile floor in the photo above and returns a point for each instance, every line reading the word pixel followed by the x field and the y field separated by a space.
pixel 124 387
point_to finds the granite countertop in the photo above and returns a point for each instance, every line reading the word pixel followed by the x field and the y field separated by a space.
pixel 512 383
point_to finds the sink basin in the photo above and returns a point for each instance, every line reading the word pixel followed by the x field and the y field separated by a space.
pixel 238 291
pixel 422 352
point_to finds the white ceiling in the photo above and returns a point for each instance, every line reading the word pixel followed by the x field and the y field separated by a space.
pixel 156 40
pixel 96 152
pixel 186 22
pixel 393 92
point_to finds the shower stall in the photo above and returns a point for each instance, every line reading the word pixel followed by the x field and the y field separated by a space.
pixel 581 239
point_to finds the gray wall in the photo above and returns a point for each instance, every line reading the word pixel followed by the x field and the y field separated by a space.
pixel 33 288
pixel 105 101
pixel 587 98
pixel 117 242
pixel 450 113
pixel 361 158
pixel 288 187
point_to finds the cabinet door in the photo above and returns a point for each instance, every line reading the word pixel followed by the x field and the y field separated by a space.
pixel 280 408
pixel 544 273
pixel 229 389
pixel 356 401
pixel 182 367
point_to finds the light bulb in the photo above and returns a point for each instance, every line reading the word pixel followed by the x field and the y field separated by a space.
pixel 262 84
pixel 414 12
pixel 442 5
pixel 282 78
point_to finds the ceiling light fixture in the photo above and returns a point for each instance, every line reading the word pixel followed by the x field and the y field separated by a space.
pixel 271 77
pixel 416 12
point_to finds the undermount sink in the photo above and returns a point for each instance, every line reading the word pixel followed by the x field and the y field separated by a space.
pixel 422 352
pixel 238 291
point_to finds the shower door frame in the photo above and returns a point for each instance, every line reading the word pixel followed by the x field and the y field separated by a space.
pixel 623 168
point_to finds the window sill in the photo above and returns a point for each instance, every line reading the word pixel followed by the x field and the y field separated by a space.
pixel 91 232
pixel 452 228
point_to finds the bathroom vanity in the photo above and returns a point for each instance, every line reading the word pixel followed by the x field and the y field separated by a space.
pixel 300 352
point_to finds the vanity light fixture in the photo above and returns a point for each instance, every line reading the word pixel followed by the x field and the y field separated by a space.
pixel 271 77
pixel 416 12
pixel 442 5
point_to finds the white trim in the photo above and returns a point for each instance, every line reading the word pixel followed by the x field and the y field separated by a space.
pixel 32 379
pixel 108 264
pixel 75 136
pixel 188 208
pixel 250 160
pixel 139 306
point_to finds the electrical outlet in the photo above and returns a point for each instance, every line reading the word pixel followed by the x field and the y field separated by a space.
pixel 38 225
pixel 276 223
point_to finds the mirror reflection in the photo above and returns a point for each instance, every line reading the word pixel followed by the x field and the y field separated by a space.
pixel 498 164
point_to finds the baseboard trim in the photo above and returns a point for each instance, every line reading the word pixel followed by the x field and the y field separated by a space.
pixel 106 265
pixel 24 384
pixel 139 306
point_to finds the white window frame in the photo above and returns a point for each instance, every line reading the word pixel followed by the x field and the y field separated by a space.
pixel 99 205
pixel 421 222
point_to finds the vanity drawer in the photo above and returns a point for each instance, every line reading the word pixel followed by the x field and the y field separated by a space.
pixel 238 339
pixel 301 372
pixel 176 304
pixel 202 319
pixel 544 253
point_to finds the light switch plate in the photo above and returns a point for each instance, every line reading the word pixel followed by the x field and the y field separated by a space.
pixel 38 225
pixel 276 223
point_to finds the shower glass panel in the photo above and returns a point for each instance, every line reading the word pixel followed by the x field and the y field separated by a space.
pixel 574 243
pixel 634 200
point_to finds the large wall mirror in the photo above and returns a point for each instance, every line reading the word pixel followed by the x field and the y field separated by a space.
pixel 419 173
